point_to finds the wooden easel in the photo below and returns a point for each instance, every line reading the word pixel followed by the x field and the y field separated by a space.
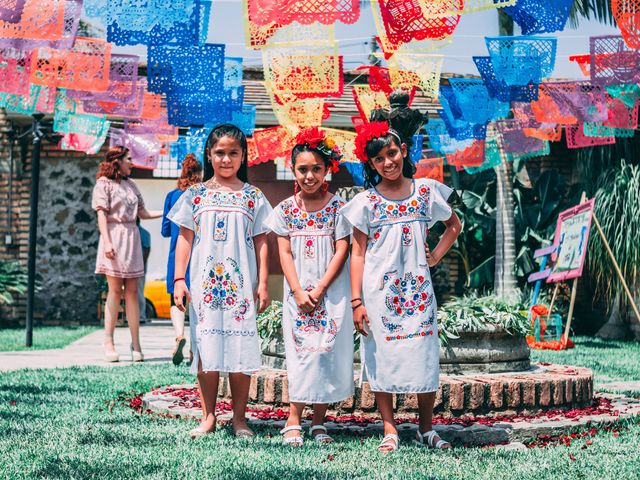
pixel 545 272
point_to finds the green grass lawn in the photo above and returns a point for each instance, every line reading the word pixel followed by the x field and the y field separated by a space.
pixel 68 423
pixel 44 338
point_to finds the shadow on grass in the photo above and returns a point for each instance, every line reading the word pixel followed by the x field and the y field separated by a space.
pixel 78 468
pixel 598 344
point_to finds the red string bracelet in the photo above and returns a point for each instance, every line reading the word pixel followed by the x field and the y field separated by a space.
pixel 178 279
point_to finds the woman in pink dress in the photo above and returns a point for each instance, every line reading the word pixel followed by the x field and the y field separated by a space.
pixel 118 203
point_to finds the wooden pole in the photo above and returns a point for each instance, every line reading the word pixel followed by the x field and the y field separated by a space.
pixel 574 289
pixel 553 300
pixel 617 268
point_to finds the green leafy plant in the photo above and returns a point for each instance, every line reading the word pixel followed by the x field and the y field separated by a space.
pixel 616 207
pixel 471 313
pixel 476 244
pixel 13 280
pixel 537 209
pixel 270 321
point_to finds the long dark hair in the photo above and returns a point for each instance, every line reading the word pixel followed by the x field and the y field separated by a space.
pixel 371 177
pixel 405 123
pixel 231 131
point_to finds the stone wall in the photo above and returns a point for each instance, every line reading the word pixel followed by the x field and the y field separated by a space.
pixel 67 238
pixel 67 232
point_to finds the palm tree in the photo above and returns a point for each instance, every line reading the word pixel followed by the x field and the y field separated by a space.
pixel 504 278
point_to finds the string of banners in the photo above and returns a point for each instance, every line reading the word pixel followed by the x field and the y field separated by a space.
pixel 510 110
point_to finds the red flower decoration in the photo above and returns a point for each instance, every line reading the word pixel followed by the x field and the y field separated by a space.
pixel 335 166
pixel 366 133
pixel 312 136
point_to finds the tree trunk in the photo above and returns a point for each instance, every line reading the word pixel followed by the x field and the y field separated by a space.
pixel 505 285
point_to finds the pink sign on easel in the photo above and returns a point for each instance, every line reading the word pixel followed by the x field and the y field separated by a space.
pixel 571 240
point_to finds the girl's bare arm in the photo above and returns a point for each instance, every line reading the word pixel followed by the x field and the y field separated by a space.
pixel 303 300
pixel 262 257
pixel 358 250
pixel 183 253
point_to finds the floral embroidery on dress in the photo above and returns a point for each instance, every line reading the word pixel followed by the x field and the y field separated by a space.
pixel 220 231
pixel 321 221
pixel 309 247
pixel 220 289
pixel 243 200
pixel 309 325
pixel 407 236
pixel 407 298
pixel 411 208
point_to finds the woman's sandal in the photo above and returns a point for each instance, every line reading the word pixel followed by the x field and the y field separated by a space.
pixel 389 443
pixel 321 437
pixel 294 441
pixel 426 439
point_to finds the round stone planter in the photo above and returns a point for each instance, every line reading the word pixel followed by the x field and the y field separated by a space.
pixel 488 349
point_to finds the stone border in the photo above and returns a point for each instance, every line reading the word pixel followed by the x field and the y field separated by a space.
pixel 543 387
pixel 476 434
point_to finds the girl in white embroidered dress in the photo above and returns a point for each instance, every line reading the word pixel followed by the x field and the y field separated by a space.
pixel 393 302
pixel 313 241
pixel 223 232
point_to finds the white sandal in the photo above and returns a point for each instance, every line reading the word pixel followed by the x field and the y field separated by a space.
pixel 429 436
pixel 386 446
pixel 296 441
pixel 321 437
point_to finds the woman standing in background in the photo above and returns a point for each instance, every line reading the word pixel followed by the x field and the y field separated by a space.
pixel 190 175
pixel 118 203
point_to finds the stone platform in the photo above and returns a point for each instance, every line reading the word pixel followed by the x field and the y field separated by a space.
pixel 509 431
pixel 543 387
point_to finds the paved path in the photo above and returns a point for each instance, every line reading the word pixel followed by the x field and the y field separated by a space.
pixel 157 341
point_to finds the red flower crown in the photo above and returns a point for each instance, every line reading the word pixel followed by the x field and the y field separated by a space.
pixel 317 139
pixel 365 133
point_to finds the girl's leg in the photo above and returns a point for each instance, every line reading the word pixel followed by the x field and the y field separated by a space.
pixel 239 383
pixel 295 418
pixel 177 320
pixel 112 308
pixel 208 388
pixel 319 413
pixel 385 406
pixel 425 412
pixel 133 311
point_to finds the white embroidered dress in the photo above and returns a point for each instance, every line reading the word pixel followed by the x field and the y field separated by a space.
pixel 224 274
pixel 401 352
pixel 319 344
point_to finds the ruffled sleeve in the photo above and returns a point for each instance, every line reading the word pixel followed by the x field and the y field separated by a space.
pixel 101 199
pixel 277 223
pixel 356 212
pixel 182 212
pixel 440 209
pixel 261 212
pixel 343 227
